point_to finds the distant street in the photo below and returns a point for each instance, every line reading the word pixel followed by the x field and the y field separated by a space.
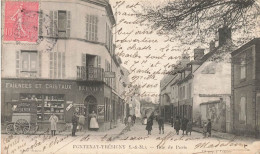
pixel 114 140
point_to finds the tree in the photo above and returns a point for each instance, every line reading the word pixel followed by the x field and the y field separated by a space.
pixel 190 20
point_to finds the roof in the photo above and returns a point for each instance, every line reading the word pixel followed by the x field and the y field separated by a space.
pixel 248 44
pixel 221 50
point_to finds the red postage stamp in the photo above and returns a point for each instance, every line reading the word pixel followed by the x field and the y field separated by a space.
pixel 21 21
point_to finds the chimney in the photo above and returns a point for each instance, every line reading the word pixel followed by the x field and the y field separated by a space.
pixel 198 53
pixel 224 35
pixel 211 46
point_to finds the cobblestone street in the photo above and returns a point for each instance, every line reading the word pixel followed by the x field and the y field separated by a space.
pixel 114 140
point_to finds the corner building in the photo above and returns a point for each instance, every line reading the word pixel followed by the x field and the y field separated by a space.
pixel 69 68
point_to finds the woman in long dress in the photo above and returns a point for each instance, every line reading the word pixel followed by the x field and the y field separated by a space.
pixel 93 121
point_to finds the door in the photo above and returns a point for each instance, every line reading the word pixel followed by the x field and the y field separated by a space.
pixel 90 106
pixel 257 110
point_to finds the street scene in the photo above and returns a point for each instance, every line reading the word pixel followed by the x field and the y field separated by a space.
pixel 120 76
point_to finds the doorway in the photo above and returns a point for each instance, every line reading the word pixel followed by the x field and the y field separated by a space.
pixel 90 106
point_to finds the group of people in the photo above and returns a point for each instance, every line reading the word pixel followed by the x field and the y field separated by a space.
pixel 77 122
pixel 183 124
pixel 149 124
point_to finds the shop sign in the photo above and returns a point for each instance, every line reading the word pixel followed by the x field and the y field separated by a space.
pixel 109 74
pixel 101 111
pixel 14 85
pixel 68 108
pixel 92 88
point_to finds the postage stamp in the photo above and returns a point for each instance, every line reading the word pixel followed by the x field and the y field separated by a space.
pixel 21 21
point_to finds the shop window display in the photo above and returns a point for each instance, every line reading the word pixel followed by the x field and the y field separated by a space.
pixel 46 105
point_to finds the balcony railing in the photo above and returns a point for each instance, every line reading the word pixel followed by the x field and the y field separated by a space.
pixel 90 73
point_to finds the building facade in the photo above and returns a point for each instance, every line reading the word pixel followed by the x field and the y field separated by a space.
pixel 65 63
pixel 246 89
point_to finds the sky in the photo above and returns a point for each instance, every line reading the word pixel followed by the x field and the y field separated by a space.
pixel 145 52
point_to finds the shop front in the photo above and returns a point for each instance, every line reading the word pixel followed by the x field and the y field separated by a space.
pixel 61 97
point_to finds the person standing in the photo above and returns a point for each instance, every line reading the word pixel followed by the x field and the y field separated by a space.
pixel 129 122
pixel 204 129
pixel 145 120
pixel 177 125
pixel 93 121
pixel 134 117
pixel 189 127
pixel 149 125
pixel 74 124
pixel 184 125
pixel 172 121
pixel 53 120
pixel 209 127
pixel 161 124
pixel 125 121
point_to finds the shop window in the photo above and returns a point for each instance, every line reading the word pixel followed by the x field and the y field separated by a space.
pixel 46 105
pixel 91 27
pixel 242 111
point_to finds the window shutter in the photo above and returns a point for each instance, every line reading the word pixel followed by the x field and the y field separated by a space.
pixel 55 24
pixel 17 57
pixel 96 28
pixel 40 23
pixel 87 19
pixel 40 64
pixel 68 24
pixel 83 59
pixel 63 64
pixel 51 64
pixel 99 61
pixel 51 23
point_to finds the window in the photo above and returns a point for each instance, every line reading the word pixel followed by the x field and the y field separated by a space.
pixel 91 27
pixel 189 91
pixel 59 23
pixel 243 69
pixel 29 63
pixel 242 111
pixel 62 23
pixel 183 93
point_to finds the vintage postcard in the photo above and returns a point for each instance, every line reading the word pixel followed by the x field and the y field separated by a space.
pixel 130 76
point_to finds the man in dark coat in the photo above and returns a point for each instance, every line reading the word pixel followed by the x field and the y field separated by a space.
pixel 209 127
pixel 133 118
pixel 177 125
pixel 161 124
pixel 184 123
pixel 74 124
